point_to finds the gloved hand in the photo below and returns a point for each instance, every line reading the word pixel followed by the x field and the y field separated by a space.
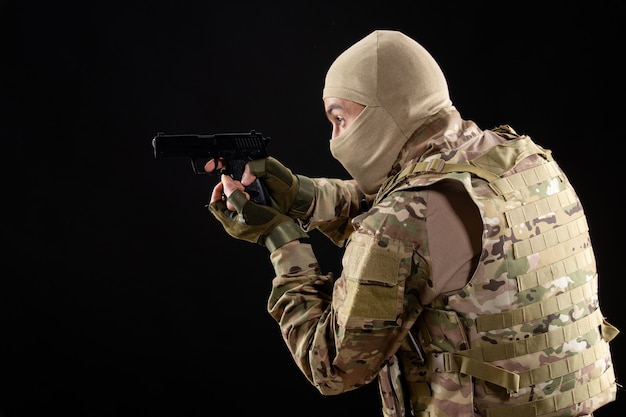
pixel 253 222
pixel 291 194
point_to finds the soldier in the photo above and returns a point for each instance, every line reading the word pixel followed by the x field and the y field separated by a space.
pixel 469 283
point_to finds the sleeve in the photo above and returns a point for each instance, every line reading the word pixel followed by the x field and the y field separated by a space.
pixel 337 202
pixel 341 333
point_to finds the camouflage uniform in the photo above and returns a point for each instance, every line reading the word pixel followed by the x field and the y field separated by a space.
pixel 525 337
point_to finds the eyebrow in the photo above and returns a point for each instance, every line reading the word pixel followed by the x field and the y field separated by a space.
pixel 333 106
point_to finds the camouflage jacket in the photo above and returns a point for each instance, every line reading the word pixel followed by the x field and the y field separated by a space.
pixel 525 332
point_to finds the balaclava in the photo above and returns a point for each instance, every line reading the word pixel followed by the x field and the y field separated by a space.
pixel 400 84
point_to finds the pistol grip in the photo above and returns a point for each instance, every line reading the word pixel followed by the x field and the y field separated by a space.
pixel 257 191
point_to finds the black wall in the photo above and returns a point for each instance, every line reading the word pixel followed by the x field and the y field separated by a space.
pixel 121 295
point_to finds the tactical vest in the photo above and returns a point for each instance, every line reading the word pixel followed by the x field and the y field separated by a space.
pixel 525 337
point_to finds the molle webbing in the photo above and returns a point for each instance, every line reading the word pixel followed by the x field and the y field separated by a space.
pixel 507 185
pixel 513 381
pixel 581 393
pixel 552 305
pixel 561 235
pixel 561 268
pixel 552 339
pixel 564 366
pixel 543 207
pixel 475 361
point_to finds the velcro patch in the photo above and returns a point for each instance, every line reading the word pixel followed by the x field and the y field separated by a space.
pixel 371 276
pixel 372 265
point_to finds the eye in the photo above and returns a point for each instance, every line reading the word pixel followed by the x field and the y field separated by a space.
pixel 340 119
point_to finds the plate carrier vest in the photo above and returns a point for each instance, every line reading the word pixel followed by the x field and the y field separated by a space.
pixel 525 337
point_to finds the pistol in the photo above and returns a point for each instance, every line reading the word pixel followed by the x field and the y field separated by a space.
pixel 235 148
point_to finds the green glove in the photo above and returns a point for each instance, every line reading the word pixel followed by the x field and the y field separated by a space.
pixel 256 223
pixel 290 194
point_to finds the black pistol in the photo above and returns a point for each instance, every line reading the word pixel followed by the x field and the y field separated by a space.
pixel 235 148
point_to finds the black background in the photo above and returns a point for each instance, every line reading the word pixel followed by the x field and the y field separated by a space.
pixel 121 295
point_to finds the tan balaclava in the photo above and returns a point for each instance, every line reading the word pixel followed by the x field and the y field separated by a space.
pixel 400 84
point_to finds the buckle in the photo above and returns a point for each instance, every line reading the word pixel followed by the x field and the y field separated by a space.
pixel 435 165
pixel 442 362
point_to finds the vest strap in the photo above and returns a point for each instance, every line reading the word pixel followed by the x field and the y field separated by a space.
pixel 491 373
pixel 455 363
pixel 489 166
pixel 435 166
pixel 440 166
pixel 512 381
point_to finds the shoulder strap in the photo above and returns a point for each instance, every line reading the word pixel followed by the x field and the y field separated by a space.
pixel 489 166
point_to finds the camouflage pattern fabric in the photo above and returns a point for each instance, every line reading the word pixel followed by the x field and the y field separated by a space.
pixel 525 337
